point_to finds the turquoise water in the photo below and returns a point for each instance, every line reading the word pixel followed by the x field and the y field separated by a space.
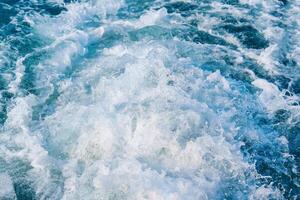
pixel 149 99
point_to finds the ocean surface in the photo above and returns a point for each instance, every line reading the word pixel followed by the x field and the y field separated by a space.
pixel 149 99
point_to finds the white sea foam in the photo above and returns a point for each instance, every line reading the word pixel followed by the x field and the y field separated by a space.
pixel 271 97
pixel 6 187
pixel 134 135
pixel 138 120
pixel 128 127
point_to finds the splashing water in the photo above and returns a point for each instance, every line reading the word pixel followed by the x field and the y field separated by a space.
pixel 149 99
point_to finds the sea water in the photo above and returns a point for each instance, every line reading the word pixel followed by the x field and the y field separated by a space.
pixel 149 99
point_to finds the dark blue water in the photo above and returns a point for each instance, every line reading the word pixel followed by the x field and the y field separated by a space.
pixel 150 99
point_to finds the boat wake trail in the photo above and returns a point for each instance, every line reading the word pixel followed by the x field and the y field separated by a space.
pixel 151 99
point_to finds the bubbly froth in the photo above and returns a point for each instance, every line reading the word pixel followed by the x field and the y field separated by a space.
pixel 149 100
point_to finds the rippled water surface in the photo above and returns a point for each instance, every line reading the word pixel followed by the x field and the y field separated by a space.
pixel 149 99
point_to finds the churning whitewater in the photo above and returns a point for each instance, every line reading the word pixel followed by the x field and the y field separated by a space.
pixel 149 99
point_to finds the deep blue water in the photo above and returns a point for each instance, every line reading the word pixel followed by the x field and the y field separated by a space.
pixel 149 99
